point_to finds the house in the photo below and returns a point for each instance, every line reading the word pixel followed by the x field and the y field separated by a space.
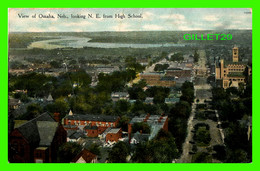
pixel 114 134
pixel 139 138
pixel 171 100
pixel 148 100
pixel 36 140
pixel 115 96
pixel 74 136
pixel 85 156
pixel 156 122
pixel 13 103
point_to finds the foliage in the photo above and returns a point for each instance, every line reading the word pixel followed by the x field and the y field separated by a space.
pixel 201 157
pixel 32 111
pixel 94 148
pixel 68 151
pixel 161 67
pixel 196 56
pixel 202 136
pixel 119 153
pixel 141 126
pixel 220 152
pixel 187 91
pixel 177 57
pixel 161 149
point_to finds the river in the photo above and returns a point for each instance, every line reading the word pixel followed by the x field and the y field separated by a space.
pixel 79 42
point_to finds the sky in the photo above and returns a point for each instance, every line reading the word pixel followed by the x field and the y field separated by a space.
pixel 153 19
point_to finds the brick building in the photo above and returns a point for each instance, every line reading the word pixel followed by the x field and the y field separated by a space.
pixel 93 125
pixel 158 79
pixel 178 72
pixel 36 140
pixel 114 134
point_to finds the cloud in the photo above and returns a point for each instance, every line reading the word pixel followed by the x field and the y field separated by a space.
pixel 152 27
pixel 210 18
pixel 148 16
pixel 173 17
pixel 122 27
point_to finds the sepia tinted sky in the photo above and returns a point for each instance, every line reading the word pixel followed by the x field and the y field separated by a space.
pixel 153 19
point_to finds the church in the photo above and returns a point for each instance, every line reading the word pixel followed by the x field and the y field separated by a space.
pixel 231 73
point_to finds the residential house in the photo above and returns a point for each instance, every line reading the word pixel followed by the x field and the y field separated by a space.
pixel 85 156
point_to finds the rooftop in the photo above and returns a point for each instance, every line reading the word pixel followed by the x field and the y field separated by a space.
pixel 40 130
pixel 86 155
pixel 91 117
pixel 114 130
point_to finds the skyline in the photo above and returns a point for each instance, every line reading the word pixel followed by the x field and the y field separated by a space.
pixel 153 19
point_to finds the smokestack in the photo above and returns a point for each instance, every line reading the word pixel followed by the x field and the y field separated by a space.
pixel 57 117
pixel 129 132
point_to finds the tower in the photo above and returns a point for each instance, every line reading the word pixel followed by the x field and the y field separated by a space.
pixel 235 54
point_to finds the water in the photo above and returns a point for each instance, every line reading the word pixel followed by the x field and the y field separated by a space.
pixel 78 42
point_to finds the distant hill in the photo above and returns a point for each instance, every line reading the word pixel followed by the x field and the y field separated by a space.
pixel 22 40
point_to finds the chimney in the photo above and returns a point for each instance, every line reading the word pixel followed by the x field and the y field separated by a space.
pixel 57 117
pixel 147 117
pixel 129 132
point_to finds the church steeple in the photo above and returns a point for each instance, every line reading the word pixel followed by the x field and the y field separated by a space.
pixel 235 54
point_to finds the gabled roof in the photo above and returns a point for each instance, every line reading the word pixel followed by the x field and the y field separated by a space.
pixel 114 130
pixel 47 132
pixel 30 129
pixel 89 117
pixel 86 155
pixel 76 135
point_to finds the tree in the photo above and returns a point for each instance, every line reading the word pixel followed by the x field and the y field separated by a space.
pixel 55 64
pixel 141 126
pixel 60 106
pixel 177 57
pixel 162 149
pixel 122 107
pixel 119 153
pixel 32 111
pixel 196 56
pixel 182 109
pixel 123 123
pixel 94 148
pixel 68 151
pixel 201 157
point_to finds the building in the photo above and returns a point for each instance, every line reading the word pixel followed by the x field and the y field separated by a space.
pixel 114 134
pixel 139 138
pixel 231 73
pixel 171 100
pixel 13 103
pixel 158 79
pixel 93 125
pixel 115 96
pixel 74 136
pixel 156 122
pixel 36 140
pixel 85 156
pixel 179 72
pixel 107 69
